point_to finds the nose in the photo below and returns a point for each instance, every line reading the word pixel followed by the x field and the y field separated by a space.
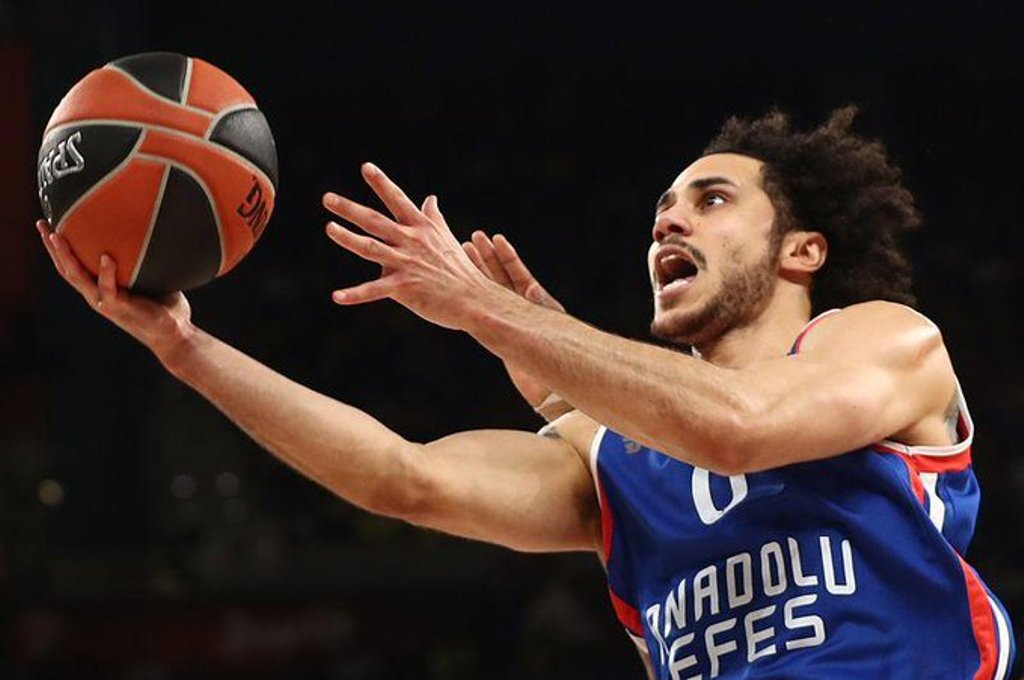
pixel 665 224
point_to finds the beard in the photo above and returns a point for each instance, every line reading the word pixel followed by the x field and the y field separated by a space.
pixel 744 294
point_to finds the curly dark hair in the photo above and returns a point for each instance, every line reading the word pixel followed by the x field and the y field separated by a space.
pixel 840 184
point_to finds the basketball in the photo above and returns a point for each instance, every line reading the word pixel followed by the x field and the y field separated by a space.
pixel 165 163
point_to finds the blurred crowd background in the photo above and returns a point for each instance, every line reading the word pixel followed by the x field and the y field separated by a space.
pixel 143 537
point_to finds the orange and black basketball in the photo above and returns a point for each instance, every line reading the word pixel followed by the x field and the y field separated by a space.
pixel 164 162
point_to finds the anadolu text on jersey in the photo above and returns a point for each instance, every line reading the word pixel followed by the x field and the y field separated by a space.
pixel 848 567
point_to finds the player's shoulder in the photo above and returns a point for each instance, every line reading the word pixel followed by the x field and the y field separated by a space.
pixel 872 327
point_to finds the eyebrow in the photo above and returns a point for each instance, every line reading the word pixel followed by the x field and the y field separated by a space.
pixel 705 182
pixel 668 199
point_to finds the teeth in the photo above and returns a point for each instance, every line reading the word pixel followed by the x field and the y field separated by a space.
pixel 679 283
pixel 670 264
pixel 667 263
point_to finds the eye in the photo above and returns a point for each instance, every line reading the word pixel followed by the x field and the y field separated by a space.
pixel 711 199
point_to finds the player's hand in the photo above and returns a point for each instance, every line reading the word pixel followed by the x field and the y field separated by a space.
pixel 496 258
pixel 424 265
pixel 159 325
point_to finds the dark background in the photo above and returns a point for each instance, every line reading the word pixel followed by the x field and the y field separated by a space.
pixel 142 536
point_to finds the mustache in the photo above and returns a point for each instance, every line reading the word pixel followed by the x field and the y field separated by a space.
pixel 695 254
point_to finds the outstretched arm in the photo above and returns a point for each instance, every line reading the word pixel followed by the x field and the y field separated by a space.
pixel 516 489
pixel 512 488
pixel 871 372
pixel 874 371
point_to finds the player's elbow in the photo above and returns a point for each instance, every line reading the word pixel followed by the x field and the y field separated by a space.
pixel 722 447
pixel 405 492
pixel 726 465
pixel 728 452
pixel 744 442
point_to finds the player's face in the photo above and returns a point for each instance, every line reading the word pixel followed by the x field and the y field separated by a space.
pixel 713 262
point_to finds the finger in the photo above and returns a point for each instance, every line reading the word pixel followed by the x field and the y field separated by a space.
pixel 74 271
pixel 371 291
pixel 107 282
pixel 474 257
pixel 44 232
pixel 493 267
pixel 367 219
pixel 391 194
pixel 525 282
pixel 365 247
pixel 433 211
pixel 513 264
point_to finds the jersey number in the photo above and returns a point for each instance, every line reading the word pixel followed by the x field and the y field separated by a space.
pixel 706 510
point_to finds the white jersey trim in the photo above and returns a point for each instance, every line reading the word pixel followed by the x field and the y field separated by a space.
pixel 799 341
pixel 819 317
pixel 1003 637
pixel 595 447
pixel 936 507
pixel 941 451
pixel 640 643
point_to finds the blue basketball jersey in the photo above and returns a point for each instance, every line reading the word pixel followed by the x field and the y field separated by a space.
pixel 849 567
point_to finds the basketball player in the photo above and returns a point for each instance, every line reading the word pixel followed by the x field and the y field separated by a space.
pixel 792 499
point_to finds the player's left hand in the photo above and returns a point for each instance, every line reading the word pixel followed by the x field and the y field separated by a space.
pixel 161 325
pixel 498 259
pixel 424 265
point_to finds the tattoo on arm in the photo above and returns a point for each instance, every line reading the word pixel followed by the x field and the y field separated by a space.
pixel 952 419
pixel 550 431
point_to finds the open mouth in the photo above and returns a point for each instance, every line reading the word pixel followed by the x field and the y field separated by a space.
pixel 674 268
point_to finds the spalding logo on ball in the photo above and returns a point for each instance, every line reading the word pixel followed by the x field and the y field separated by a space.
pixel 164 162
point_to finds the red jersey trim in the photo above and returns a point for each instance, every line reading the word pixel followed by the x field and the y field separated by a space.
pixel 807 329
pixel 913 473
pixel 921 463
pixel 627 614
pixel 983 623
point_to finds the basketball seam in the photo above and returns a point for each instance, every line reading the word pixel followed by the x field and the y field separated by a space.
pixel 116 170
pixel 152 223
pixel 139 84
pixel 214 206
pixel 188 81
pixel 218 148
pixel 221 114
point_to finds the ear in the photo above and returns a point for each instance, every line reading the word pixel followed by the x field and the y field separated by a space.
pixel 803 252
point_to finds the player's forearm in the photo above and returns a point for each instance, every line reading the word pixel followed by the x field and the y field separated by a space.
pixel 662 398
pixel 336 445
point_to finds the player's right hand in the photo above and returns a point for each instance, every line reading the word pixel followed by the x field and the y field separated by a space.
pixel 160 325
pixel 496 258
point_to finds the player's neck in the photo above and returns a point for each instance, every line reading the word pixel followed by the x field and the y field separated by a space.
pixel 769 336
